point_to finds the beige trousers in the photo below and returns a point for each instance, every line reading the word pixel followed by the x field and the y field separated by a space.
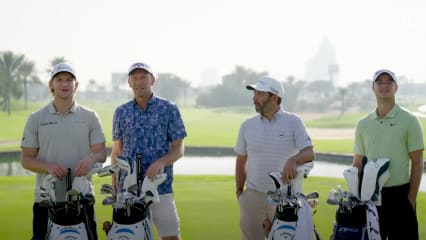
pixel 253 210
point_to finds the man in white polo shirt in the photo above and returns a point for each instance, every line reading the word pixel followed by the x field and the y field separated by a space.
pixel 274 140
pixel 62 135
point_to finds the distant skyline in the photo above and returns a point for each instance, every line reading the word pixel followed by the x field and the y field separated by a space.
pixel 206 39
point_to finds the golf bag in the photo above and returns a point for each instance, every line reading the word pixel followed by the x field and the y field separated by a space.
pixel 131 218
pixel 72 218
pixel 293 214
pixel 351 223
pixel 356 214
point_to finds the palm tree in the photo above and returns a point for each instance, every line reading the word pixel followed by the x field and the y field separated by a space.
pixel 27 75
pixel 10 64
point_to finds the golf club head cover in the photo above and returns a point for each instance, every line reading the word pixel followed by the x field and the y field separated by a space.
pixel 47 189
pixel 371 175
pixel 276 180
pixel 149 188
pixel 351 177
pixel 127 165
pixel 382 177
pixel 80 185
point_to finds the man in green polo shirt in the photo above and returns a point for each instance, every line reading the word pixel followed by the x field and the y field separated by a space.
pixel 393 132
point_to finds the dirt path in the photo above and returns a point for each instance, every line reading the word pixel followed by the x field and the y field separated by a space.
pixel 331 133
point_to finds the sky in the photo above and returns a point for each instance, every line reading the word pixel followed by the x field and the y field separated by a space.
pixel 191 38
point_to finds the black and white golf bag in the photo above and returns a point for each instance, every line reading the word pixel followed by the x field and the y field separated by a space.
pixel 131 218
pixel 72 218
pixel 356 214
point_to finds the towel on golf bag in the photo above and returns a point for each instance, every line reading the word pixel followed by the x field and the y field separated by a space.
pixel 372 216
pixel 305 224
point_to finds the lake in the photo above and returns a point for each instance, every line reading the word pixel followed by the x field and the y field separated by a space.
pixel 196 165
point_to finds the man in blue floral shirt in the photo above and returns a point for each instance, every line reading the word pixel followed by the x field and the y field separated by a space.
pixel 151 126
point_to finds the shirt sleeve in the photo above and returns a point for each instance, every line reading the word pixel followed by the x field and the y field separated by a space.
pixel 96 131
pixel 30 135
pixel 415 135
pixel 241 145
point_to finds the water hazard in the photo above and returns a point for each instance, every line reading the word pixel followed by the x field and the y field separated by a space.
pixel 196 165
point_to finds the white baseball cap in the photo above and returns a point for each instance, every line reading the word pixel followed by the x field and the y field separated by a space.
pixel 378 73
pixel 268 84
pixel 140 65
pixel 62 67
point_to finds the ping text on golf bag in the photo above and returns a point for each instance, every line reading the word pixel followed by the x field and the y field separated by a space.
pixel 131 217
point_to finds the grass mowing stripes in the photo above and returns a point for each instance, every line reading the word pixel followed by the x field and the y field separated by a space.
pixel 207 206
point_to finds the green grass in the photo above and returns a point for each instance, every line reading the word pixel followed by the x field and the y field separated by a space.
pixel 207 206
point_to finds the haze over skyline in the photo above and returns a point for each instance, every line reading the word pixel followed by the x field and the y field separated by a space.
pixel 196 39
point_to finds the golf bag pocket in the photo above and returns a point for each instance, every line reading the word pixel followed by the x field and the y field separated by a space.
pixel 350 224
pixel 58 232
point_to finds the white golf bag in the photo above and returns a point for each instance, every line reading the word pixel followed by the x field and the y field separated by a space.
pixel 356 214
pixel 293 213
pixel 131 217
pixel 69 219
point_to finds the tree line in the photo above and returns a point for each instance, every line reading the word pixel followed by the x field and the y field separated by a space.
pixel 17 72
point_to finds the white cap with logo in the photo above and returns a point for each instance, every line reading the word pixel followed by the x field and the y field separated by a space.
pixel 268 84
pixel 378 73
pixel 62 67
pixel 140 65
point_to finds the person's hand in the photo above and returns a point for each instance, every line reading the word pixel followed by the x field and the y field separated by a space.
pixel 57 170
pixel 84 166
pixel 238 192
pixel 412 202
pixel 289 170
pixel 154 169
